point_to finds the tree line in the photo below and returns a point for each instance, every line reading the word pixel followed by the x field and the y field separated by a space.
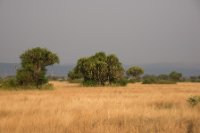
pixel 96 70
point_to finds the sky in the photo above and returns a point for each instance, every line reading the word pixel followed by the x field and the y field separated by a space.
pixel 137 31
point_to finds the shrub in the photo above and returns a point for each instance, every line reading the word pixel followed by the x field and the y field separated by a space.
pixel 175 76
pixel 194 100
pixel 161 79
pixel 9 82
pixel 73 75
pixel 89 83
pixel 122 82
pixel 149 79
pixel 134 73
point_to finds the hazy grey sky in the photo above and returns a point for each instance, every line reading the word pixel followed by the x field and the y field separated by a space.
pixel 138 31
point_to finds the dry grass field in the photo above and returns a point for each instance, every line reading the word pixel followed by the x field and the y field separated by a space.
pixel 70 108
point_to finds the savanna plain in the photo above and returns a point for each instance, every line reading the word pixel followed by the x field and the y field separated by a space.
pixel 71 108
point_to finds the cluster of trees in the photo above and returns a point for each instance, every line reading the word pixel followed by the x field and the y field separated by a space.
pixel 170 78
pixel 99 69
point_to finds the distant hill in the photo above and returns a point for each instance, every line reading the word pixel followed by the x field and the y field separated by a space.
pixel 8 69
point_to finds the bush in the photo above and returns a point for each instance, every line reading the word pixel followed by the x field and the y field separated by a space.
pixel 151 79
pixel 73 75
pixel 194 100
pixel 9 82
pixel 90 83
pixel 175 76
pixel 122 82
pixel 46 86
pixel 134 73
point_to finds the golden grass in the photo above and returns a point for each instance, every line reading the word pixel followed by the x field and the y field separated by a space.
pixel 70 108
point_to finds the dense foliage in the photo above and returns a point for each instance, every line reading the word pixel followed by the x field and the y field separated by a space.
pixel 171 78
pixel 34 62
pixel 8 82
pixel 72 75
pixel 98 69
pixel 176 76
pixel 134 73
pixel 195 78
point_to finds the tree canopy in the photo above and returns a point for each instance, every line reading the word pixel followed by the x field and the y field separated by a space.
pixel 135 72
pixel 100 68
pixel 176 76
pixel 33 63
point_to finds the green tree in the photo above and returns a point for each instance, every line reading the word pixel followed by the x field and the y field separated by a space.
pixel 175 76
pixel 72 75
pixel 34 62
pixel 100 68
pixel 115 69
pixel 135 72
